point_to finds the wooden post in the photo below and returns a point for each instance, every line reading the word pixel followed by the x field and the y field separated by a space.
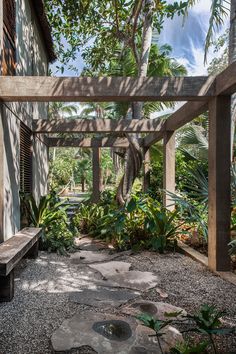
pixel 1 175
pixel 7 287
pixel 146 169
pixel 169 168
pixel 97 187
pixel 1 138
pixel 219 183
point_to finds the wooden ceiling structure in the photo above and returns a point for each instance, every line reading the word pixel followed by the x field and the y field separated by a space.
pixel 203 94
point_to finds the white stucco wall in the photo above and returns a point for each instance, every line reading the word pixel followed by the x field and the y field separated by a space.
pixel 31 60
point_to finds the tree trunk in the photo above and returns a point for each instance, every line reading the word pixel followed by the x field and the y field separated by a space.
pixel 83 183
pixel 134 156
pixel 232 58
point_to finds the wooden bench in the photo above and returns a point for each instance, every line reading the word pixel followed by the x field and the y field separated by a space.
pixel 23 244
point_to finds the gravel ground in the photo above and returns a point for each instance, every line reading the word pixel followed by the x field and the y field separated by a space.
pixel 42 286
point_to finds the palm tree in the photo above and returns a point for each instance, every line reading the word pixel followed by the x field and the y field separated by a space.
pixel 61 109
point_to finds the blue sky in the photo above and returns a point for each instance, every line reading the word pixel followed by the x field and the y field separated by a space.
pixel 187 41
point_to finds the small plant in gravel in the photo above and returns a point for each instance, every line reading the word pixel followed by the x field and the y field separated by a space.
pixel 206 322
pixel 155 325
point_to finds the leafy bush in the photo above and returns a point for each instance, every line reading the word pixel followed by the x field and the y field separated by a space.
pixel 87 218
pixel 50 215
pixel 142 222
pixel 58 238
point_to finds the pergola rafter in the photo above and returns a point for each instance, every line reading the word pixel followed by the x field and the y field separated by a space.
pixel 207 93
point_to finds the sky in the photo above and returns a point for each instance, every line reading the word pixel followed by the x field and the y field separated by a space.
pixel 188 39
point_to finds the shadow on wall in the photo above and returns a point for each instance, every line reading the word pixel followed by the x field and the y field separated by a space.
pixel 40 168
pixel 11 168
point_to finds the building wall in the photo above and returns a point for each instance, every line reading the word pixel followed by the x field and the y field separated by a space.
pixel 31 60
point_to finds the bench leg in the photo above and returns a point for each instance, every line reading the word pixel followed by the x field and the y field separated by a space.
pixel 33 252
pixel 7 287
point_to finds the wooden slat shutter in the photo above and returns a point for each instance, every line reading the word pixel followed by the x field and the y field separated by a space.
pixel 9 38
pixel 25 159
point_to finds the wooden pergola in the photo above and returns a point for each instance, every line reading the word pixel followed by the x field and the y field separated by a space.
pixel 202 94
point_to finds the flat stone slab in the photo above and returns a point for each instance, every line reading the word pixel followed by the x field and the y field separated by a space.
pixel 88 257
pixel 156 309
pixel 110 334
pixel 133 279
pixel 103 297
pixel 88 244
pixel 109 269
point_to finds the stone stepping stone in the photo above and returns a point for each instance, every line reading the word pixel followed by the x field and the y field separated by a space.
pixel 103 297
pixel 88 257
pixel 110 334
pixel 88 244
pixel 111 268
pixel 156 309
pixel 133 279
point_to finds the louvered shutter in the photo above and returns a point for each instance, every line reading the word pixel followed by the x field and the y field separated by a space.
pixel 9 38
pixel 25 159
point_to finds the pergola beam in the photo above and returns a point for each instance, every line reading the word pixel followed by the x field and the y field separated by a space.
pixel 105 89
pixel 108 142
pixel 96 126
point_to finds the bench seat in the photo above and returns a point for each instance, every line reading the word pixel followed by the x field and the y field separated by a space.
pixel 24 243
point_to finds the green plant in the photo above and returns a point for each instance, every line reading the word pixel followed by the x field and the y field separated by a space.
pixel 207 321
pixel 50 215
pixel 164 228
pixel 87 218
pixel 48 209
pixel 156 325
pixel 58 238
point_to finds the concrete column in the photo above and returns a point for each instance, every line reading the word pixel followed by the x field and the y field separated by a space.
pixel 146 169
pixel 219 183
pixel 169 168
pixel 97 187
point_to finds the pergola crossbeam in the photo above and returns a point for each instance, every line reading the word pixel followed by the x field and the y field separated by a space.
pixel 107 142
pixel 105 89
pixel 96 126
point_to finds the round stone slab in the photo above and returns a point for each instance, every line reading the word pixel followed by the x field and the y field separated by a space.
pixel 103 297
pixel 110 334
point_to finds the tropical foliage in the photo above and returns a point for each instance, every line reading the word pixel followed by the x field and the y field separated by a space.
pixel 50 215
pixel 140 223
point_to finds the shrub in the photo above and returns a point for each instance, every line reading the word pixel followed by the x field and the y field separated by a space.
pixel 58 238
pixel 51 216
pixel 88 217
pixel 141 223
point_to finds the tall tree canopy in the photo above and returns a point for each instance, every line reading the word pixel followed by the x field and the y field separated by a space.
pixel 97 28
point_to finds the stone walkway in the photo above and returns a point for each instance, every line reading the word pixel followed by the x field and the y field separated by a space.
pixel 114 284
pixel 58 298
